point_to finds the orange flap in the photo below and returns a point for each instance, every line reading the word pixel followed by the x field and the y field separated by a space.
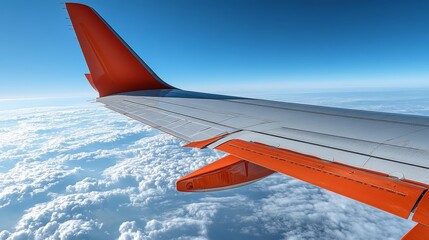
pixel 378 190
pixel 204 143
pixel 418 232
pixel 421 214
pixel 227 172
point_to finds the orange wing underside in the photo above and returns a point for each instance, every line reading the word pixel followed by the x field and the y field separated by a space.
pixel 250 161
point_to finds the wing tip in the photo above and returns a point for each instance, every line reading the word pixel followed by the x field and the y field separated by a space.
pixel 113 65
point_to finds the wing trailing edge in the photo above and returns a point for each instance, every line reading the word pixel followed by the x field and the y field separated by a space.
pixel 399 197
pixel 375 189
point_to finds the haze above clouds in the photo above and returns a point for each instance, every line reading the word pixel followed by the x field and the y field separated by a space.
pixel 73 169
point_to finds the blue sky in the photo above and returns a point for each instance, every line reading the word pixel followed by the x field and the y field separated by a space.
pixel 218 45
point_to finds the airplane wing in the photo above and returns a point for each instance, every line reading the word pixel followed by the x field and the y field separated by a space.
pixel 380 159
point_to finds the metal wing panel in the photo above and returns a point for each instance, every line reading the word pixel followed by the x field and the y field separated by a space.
pixel 174 121
pixel 363 114
pixel 394 144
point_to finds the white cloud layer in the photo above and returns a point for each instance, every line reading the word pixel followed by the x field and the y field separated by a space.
pixel 82 172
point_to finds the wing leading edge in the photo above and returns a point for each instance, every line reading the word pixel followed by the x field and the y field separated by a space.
pixel 379 159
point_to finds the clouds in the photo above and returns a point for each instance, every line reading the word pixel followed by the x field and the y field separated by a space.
pixel 80 168
pixel 81 171
pixel 129 231
pixel 67 216
pixel 300 211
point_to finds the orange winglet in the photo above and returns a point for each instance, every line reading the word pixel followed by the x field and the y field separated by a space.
pixel 418 232
pixel 377 190
pixel 227 172
pixel 421 214
pixel 114 66
pixel 89 77
pixel 204 143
